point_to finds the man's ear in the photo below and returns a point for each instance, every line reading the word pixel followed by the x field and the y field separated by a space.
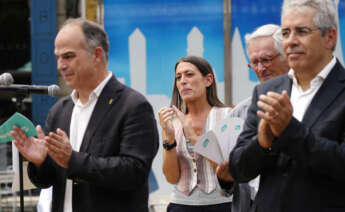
pixel 331 37
pixel 98 54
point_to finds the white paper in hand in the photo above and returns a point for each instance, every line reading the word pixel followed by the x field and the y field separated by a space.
pixel 227 131
pixel 216 144
pixel 207 146
pixel 15 164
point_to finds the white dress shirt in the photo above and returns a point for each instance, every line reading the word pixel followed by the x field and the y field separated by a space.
pixel 301 99
pixel 80 119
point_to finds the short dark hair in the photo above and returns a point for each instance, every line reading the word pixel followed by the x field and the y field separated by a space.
pixel 94 34
pixel 211 92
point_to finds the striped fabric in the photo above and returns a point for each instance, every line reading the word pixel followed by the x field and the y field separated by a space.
pixel 195 169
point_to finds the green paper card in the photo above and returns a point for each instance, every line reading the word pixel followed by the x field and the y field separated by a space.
pixel 20 121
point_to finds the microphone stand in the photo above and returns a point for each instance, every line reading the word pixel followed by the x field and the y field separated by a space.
pixel 19 106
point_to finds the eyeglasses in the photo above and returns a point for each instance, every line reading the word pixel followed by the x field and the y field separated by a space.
pixel 265 61
pixel 299 31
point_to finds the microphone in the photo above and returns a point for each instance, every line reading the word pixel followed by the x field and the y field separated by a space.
pixel 51 90
pixel 6 79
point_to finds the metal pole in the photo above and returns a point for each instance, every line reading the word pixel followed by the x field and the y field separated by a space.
pixel 19 104
pixel 227 52
pixel 21 183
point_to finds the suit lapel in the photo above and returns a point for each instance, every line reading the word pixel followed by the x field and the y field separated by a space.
pixel 286 85
pixel 66 120
pixel 283 83
pixel 331 87
pixel 105 102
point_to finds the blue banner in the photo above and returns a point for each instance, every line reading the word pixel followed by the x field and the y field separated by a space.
pixel 148 37
pixel 165 26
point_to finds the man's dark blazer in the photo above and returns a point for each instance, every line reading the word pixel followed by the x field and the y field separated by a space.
pixel 305 168
pixel 110 173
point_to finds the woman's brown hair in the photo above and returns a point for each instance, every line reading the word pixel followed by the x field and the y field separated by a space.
pixel 211 92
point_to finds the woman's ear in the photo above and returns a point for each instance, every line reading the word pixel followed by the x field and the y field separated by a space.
pixel 209 79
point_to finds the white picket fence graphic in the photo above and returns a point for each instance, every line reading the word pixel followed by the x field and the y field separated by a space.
pixel 137 61
pixel 241 86
pixel 195 43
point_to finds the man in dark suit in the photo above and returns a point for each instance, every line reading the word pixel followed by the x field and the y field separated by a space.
pixel 102 139
pixel 295 130
pixel 264 49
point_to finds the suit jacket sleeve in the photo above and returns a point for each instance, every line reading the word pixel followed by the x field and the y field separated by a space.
pixel 248 158
pixel 323 155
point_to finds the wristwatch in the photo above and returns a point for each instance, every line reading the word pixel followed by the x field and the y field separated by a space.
pixel 168 146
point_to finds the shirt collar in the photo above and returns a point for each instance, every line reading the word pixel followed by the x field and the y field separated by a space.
pixel 95 93
pixel 322 74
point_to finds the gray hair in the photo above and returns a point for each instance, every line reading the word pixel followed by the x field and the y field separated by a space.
pixel 325 17
pixel 94 34
pixel 268 30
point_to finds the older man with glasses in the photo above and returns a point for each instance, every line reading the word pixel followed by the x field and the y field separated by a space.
pixel 295 129
pixel 264 48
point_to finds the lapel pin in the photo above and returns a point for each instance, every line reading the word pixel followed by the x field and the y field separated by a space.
pixel 110 101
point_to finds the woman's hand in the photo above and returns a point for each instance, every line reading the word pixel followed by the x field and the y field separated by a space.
pixel 188 130
pixel 166 115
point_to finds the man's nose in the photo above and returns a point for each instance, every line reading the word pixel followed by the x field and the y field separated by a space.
pixel 260 67
pixel 60 64
pixel 292 40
